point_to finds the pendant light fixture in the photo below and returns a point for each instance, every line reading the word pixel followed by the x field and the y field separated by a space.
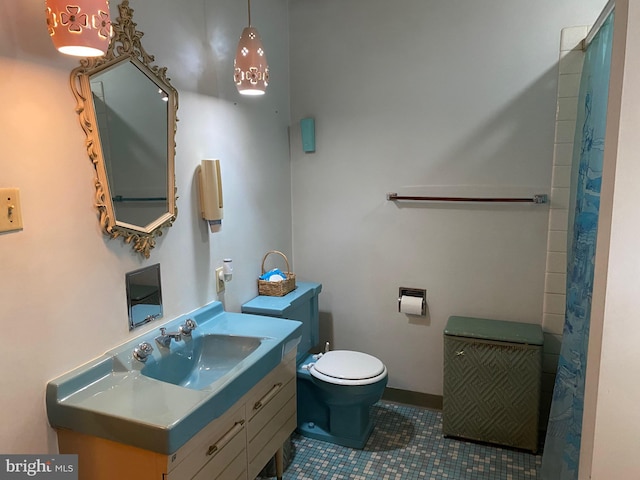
pixel 79 27
pixel 251 72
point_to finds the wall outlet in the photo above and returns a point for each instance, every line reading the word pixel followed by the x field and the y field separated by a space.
pixel 219 280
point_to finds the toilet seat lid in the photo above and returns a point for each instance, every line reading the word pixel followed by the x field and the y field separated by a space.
pixel 348 365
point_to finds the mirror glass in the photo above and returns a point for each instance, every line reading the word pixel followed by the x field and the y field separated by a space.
pixel 131 113
pixel 144 295
pixel 127 108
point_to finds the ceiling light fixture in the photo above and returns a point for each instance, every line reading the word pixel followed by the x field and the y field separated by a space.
pixel 251 72
pixel 79 27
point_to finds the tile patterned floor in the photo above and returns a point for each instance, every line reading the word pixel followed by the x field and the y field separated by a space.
pixel 407 444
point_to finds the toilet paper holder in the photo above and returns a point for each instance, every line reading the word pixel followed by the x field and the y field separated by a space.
pixel 413 292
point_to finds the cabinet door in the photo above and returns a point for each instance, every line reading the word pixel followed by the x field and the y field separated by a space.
pixel 218 446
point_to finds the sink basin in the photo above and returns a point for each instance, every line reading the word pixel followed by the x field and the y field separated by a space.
pixel 200 361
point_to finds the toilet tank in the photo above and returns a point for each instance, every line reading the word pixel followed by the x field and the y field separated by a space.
pixel 301 304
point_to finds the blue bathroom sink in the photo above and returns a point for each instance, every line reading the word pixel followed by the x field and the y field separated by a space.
pixel 161 403
pixel 202 360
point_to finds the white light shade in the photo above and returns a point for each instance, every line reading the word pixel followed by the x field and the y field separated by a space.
pixel 79 27
pixel 251 72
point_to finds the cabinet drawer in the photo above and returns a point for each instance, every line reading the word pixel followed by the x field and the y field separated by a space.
pixel 270 387
pixel 215 446
pixel 267 408
pixel 223 468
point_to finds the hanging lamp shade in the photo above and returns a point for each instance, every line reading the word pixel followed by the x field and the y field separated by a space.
pixel 251 72
pixel 79 27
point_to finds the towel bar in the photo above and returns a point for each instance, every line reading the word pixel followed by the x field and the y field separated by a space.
pixel 537 199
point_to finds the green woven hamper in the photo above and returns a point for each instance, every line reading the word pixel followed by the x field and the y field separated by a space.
pixel 492 378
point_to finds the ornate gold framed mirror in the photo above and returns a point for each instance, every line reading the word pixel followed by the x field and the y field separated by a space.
pixel 127 108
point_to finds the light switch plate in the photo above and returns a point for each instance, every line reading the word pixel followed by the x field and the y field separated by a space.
pixel 219 280
pixel 10 212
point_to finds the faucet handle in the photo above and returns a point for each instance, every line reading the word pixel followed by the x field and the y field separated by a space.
pixel 188 327
pixel 142 351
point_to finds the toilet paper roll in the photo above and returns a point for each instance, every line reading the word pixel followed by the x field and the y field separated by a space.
pixel 411 305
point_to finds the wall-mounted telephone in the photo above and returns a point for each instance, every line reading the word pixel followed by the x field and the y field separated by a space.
pixel 210 186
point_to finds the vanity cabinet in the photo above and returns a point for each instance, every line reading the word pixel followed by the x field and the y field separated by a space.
pixel 234 446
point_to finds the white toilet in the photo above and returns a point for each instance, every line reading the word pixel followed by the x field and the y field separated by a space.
pixel 335 389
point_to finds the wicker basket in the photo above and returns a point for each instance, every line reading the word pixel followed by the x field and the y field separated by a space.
pixel 277 289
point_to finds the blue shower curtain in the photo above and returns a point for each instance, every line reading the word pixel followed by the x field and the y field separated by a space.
pixel 562 444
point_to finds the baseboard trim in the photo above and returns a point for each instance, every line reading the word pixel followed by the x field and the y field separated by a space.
pixel 417 399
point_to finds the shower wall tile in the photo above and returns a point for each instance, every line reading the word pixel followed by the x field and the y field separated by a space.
pixel 551 355
pixel 560 199
pixel 571 61
pixel 555 303
pixel 571 37
pixel 553 323
pixel 557 241
pixel 552 343
pixel 563 153
pixel 567 108
pixel 558 218
pixel 549 368
pixel 568 85
pixel 555 283
pixel 565 130
pixel 561 177
pixel 556 262
pixel 550 362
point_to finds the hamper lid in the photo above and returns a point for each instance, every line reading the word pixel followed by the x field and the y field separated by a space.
pixel 499 330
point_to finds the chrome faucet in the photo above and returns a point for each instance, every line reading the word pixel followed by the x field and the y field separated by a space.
pixel 188 326
pixel 164 339
pixel 142 351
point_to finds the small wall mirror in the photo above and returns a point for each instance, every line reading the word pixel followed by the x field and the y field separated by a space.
pixel 144 295
pixel 127 108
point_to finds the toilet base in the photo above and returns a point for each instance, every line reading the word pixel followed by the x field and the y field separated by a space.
pixel 314 431
pixel 335 413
